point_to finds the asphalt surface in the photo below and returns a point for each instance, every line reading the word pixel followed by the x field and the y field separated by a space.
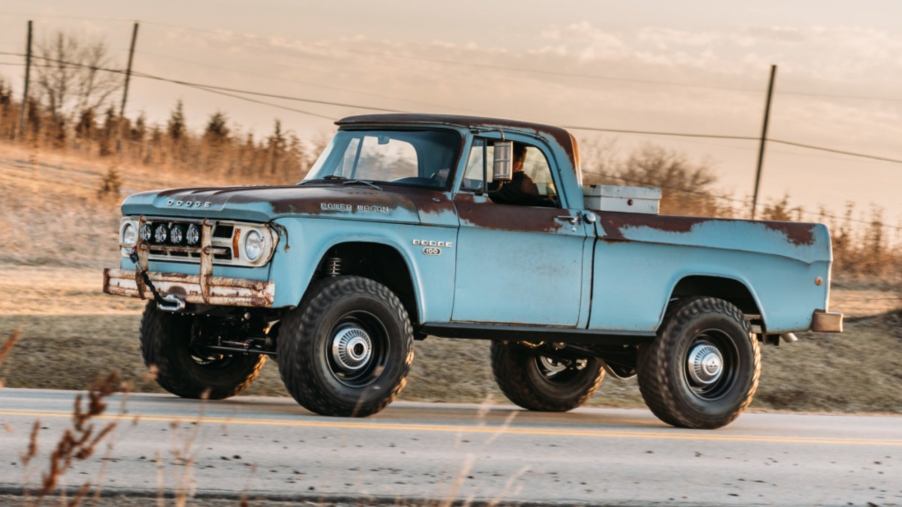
pixel 270 448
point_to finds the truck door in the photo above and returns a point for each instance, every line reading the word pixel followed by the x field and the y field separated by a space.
pixel 517 262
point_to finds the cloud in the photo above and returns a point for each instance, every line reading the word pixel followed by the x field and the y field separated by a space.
pixel 836 53
pixel 583 41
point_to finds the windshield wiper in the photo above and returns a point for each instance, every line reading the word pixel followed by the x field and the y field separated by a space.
pixel 344 181
pixel 361 182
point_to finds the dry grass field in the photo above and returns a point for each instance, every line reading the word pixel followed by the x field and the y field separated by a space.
pixel 58 235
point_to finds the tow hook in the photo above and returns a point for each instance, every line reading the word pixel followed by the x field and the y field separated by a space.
pixel 171 303
pixel 168 303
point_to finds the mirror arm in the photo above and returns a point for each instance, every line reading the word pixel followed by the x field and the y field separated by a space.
pixel 485 167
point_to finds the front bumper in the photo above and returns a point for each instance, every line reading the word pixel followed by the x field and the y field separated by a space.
pixel 217 291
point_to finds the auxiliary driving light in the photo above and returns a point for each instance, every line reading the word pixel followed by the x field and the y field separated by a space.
pixel 160 234
pixel 146 232
pixel 193 234
pixel 176 234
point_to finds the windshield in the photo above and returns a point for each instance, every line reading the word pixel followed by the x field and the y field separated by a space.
pixel 404 157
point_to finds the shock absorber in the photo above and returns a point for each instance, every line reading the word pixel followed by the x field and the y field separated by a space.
pixel 333 266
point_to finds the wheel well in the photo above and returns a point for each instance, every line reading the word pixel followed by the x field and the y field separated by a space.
pixel 376 261
pixel 728 289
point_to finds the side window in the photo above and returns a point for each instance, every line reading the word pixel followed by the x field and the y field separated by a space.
pixel 535 187
pixel 537 168
pixel 473 175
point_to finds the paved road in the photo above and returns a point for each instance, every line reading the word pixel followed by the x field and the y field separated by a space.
pixel 271 448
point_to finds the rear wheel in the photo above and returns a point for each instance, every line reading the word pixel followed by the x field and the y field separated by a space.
pixel 347 350
pixel 703 369
pixel 172 346
pixel 538 382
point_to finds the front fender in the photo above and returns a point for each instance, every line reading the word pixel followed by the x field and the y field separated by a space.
pixel 305 241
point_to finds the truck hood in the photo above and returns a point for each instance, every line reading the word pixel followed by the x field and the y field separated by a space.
pixel 262 204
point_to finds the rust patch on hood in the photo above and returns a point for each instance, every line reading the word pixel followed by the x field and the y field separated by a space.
pixel 310 199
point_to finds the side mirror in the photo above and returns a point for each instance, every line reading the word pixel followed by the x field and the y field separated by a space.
pixel 503 162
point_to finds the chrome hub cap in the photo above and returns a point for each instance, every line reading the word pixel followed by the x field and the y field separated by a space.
pixel 705 364
pixel 352 348
pixel 550 367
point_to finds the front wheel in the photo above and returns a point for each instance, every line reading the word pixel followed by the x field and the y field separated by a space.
pixel 173 347
pixel 537 382
pixel 346 351
pixel 702 370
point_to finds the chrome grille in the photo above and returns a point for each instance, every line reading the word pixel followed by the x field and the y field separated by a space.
pixel 221 240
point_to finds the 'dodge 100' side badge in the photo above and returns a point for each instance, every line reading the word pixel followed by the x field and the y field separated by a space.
pixel 432 247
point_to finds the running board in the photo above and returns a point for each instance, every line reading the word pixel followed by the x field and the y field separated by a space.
pixel 483 331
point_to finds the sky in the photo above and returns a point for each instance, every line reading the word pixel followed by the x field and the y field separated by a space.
pixel 692 66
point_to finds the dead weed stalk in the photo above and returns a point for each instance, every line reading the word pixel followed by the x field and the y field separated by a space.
pixel 79 441
pixel 7 347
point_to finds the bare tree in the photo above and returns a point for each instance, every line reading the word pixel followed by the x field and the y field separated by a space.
pixel 73 74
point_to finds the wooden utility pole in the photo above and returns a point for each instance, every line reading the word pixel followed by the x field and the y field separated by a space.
pixel 24 106
pixel 763 141
pixel 128 69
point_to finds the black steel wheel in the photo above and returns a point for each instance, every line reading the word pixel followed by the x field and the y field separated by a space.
pixel 703 368
pixel 543 383
pixel 347 349
pixel 172 346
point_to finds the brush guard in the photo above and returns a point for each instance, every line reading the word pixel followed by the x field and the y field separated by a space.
pixel 172 292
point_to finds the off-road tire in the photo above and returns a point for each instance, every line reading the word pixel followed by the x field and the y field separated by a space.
pixel 662 365
pixel 519 378
pixel 305 336
pixel 165 339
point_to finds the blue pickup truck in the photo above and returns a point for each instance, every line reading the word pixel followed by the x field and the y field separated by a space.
pixel 414 225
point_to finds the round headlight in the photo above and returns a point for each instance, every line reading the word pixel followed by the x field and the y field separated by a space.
pixel 160 234
pixel 254 244
pixel 129 234
pixel 176 234
pixel 193 234
pixel 146 232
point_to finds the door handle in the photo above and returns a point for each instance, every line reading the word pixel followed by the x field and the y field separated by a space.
pixel 573 220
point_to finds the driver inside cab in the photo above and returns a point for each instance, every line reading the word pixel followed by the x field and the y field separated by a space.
pixel 521 189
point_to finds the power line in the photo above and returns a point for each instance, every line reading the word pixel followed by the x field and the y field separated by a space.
pixel 840 96
pixel 740 138
pixel 210 87
pixel 262 94
pixel 255 101
pixel 833 150
pixel 207 88
pixel 662 133
pixel 304 82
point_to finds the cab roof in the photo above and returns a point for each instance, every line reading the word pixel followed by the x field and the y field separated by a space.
pixel 563 138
